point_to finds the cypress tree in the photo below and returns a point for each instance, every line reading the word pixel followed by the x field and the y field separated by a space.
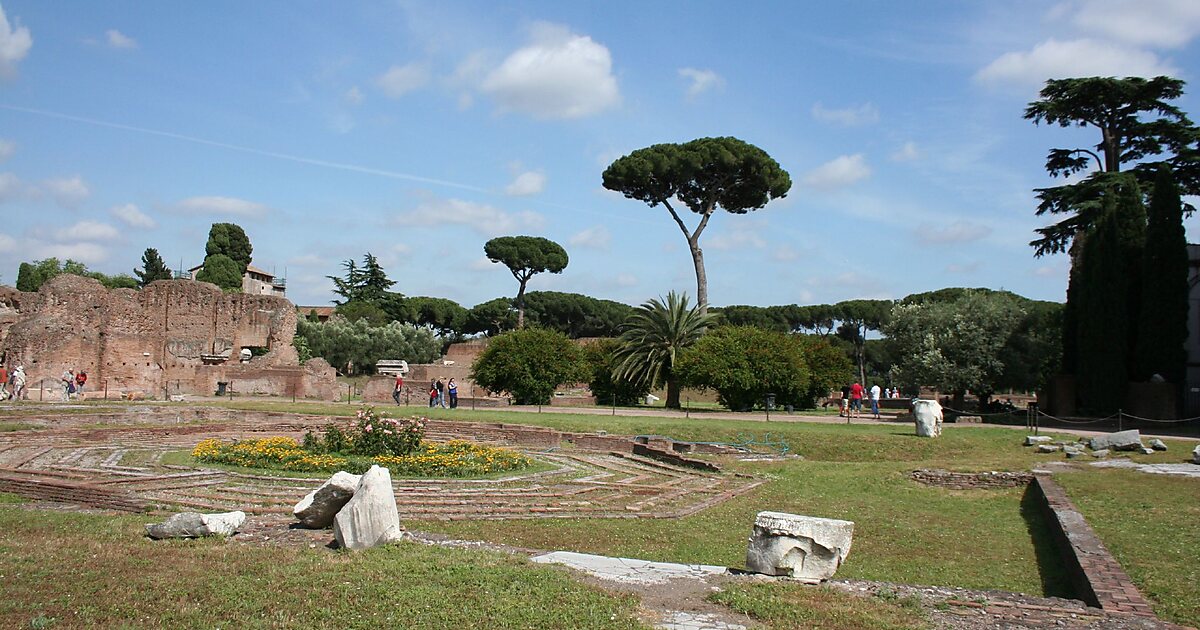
pixel 1131 244
pixel 27 278
pixel 1162 322
pixel 1102 331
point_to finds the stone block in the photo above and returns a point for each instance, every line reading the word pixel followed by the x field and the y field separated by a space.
pixel 319 507
pixel 1130 440
pixel 1034 440
pixel 1048 448
pixel 804 547
pixel 928 416
pixel 1196 454
pixel 370 518
pixel 1158 444
pixel 194 525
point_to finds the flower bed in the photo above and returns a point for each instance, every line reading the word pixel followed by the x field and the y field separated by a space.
pixel 393 443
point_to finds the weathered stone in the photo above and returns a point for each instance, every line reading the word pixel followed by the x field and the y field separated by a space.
pixel 1100 453
pixel 1072 452
pixel 1196 454
pixel 370 518
pixel 1033 440
pixel 1048 448
pixel 194 525
pixel 1145 450
pixel 1158 444
pixel 804 547
pixel 968 420
pixel 928 416
pixel 320 506
pixel 1130 440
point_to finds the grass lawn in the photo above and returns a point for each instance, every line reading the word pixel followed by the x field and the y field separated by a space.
pixel 905 532
pixel 70 570
pixel 1152 529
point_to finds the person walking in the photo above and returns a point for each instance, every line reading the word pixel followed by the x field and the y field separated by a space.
pixel 856 396
pixel 452 388
pixel 18 383
pixel 67 380
pixel 875 391
pixel 398 388
pixel 845 407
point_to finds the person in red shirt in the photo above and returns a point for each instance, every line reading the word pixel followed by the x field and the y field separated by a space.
pixel 80 381
pixel 856 396
pixel 3 383
pixel 398 389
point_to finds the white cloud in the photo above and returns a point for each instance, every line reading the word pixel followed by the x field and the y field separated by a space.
pixel 625 280
pixel 526 184
pixel 8 244
pixel 87 231
pixel 1053 59
pixel 737 239
pixel 220 206
pixel 117 39
pixel 786 253
pixel 838 172
pixel 907 153
pixel 481 264
pixel 701 81
pixel 595 237
pixel 483 218
pixel 956 232
pixel 400 80
pixel 131 216
pixel 10 186
pixel 557 75
pixel 864 114
pixel 68 192
pixel 7 148
pixel 1155 23
pixel 15 42
pixel 353 96
pixel 87 253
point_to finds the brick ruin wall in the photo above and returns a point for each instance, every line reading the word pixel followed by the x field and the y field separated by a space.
pixel 173 336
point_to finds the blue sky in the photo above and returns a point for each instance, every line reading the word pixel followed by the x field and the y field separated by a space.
pixel 417 131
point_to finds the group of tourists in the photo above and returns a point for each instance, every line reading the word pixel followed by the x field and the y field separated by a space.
pixel 443 394
pixel 12 384
pixel 852 399
pixel 72 383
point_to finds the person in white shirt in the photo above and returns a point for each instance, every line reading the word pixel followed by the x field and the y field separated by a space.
pixel 875 400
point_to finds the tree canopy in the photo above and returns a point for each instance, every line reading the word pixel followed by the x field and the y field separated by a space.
pixel 703 174
pixel 368 283
pixel 529 364
pixel 1162 324
pixel 743 364
pixel 1138 127
pixel 31 276
pixel 355 346
pixel 229 239
pixel 526 256
pixel 222 271
pixel 153 268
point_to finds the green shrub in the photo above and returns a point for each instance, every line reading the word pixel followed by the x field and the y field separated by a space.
pixel 529 364
pixel 742 364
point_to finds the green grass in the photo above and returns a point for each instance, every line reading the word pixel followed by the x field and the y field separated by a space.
pixel 112 577
pixel 10 499
pixel 790 605
pixel 1151 525
pixel 17 426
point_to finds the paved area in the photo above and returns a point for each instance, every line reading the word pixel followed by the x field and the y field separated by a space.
pixel 628 570
pixel 1185 470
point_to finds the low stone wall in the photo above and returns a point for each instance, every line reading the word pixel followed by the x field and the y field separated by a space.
pixel 1097 576
pixel 971 481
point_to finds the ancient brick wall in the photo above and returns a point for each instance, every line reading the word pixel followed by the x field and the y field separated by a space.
pixel 175 336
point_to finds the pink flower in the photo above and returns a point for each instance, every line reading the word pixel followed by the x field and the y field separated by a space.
pixel 367 428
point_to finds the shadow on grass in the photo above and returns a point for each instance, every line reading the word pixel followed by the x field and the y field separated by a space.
pixel 1055 580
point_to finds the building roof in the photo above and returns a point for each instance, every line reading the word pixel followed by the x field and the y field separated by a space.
pixel 321 311
pixel 253 269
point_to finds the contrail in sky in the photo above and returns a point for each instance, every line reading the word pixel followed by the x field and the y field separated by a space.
pixel 354 168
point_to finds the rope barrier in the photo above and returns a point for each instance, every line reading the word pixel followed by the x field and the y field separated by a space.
pixel 1064 420
pixel 1129 415
pixel 1014 412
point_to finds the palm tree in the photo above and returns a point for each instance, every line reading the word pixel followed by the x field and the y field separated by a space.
pixel 652 338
